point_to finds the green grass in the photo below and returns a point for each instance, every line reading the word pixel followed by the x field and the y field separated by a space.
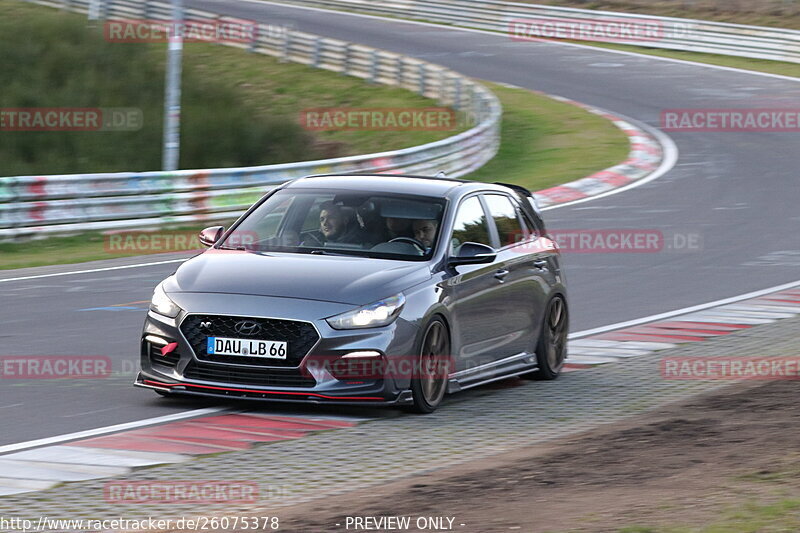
pixel 237 108
pixel 780 516
pixel 545 142
pixel 285 89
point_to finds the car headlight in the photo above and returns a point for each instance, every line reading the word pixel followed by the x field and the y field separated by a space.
pixel 374 315
pixel 161 303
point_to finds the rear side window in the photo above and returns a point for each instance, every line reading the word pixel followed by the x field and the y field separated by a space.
pixel 506 219
pixel 470 225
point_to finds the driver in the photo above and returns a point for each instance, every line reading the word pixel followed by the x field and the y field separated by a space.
pixel 425 231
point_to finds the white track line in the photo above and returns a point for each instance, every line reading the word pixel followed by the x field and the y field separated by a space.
pixel 684 311
pixel 106 269
pixel 109 429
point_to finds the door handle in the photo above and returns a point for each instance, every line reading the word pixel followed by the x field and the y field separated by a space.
pixel 540 263
pixel 501 274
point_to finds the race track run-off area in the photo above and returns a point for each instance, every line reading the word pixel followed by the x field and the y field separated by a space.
pixel 734 194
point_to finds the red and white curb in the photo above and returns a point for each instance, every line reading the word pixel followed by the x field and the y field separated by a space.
pixel 646 338
pixel 117 454
pixel 646 156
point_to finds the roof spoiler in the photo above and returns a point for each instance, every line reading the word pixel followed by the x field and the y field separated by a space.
pixel 525 193
pixel 519 188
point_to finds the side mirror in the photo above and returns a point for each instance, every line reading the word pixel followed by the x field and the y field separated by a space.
pixel 211 235
pixel 473 253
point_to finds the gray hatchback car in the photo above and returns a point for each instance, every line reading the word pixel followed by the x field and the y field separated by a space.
pixel 363 289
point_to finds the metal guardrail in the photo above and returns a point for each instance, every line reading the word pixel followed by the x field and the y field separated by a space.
pixel 31 205
pixel 539 21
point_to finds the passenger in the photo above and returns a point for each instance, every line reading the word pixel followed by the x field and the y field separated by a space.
pixel 425 232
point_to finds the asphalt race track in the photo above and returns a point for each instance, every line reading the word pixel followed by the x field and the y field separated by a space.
pixel 738 191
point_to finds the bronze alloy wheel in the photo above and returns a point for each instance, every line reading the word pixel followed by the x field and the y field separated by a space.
pixel 430 385
pixel 551 349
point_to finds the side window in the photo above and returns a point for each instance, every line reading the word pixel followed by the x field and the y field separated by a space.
pixel 311 221
pixel 506 218
pixel 470 225
pixel 527 225
pixel 267 226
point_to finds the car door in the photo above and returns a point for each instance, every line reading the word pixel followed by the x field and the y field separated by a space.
pixel 525 286
pixel 476 308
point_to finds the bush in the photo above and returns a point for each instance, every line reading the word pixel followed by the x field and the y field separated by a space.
pixel 50 59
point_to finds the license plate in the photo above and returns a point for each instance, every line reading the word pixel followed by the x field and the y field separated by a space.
pixel 246 347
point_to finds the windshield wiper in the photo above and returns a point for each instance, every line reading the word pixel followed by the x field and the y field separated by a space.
pixel 240 248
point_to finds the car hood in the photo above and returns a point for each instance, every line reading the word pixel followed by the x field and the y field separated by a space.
pixel 341 279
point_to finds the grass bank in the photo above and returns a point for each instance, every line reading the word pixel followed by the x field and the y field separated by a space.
pixel 238 108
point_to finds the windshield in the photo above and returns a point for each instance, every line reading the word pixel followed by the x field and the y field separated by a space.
pixel 390 226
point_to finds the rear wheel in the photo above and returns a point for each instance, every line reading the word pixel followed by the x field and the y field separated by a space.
pixel 430 384
pixel 551 350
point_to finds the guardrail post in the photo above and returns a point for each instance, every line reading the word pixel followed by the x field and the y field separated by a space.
pixel 473 104
pixel 346 59
pixel 94 11
pixel 317 49
pixel 253 44
pixel 287 44
pixel 400 73
pixel 422 73
pixel 373 66
pixel 457 94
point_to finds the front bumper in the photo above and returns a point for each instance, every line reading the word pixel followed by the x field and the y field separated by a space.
pixel 284 396
pixel 182 372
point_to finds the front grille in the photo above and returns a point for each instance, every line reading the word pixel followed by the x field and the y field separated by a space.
pixel 299 336
pixel 259 377
pixel 171 359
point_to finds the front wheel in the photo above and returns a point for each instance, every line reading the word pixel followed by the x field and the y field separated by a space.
pixel 430 384
pixel 551 350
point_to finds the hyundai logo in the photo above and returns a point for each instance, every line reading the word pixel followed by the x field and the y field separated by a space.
pixel 205 325
pixel 247 327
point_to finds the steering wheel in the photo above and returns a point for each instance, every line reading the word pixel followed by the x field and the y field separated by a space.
pixel 311 236
pixel 410 240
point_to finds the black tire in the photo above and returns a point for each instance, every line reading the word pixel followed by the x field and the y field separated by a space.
pixel 551 350
pixel 429 385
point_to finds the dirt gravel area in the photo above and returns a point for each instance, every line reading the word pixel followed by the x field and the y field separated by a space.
pixel 691 465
